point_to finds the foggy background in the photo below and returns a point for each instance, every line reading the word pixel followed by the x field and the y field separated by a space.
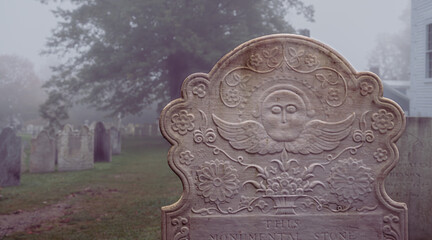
pixel 350 27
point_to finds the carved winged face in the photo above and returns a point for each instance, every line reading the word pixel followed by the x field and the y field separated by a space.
pixel 283 115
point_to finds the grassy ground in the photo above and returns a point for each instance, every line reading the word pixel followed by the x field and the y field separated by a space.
pixel 117 200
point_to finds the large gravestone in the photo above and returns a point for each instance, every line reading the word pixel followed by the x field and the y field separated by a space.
pixel 43 153
pixel 278 142
pixel 411 180
pixel 116 140
pixel 10 158
pixel 102 143
pixel 75 149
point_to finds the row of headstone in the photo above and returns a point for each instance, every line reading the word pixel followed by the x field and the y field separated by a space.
pixel 145 130
pixel 33 129
pixel 74 149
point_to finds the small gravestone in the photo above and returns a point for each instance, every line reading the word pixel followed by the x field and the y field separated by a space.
pixel 130 129
pixel 102 143
pixel 75 149
pixel 24 156
pixel 10 158
pixel 411 180
pixel 116 140
pixel 42 155
pixel 278 142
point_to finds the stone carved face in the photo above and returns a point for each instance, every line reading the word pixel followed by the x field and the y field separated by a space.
pixel 284 115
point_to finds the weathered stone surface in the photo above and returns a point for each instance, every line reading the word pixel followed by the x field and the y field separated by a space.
pixel 102 143
pixel 116 140
pixel 411 180
pixel 283 140
pixel 42 154
pixel 10 158
pixel 75 149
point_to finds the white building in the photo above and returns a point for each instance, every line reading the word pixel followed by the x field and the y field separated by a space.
pixel 421 58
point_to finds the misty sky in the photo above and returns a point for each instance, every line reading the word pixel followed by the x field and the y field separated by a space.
pixel 348 26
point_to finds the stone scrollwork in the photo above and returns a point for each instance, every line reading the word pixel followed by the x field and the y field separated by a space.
pixel 235 88
pixel 391 227
pixel 181 225
pixel 361 136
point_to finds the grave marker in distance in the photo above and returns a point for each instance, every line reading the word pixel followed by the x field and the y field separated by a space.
pixel 116 140
pixel 42 155
pixel 102 143
pixel 276 143
pixel 10 158
pixel 75 149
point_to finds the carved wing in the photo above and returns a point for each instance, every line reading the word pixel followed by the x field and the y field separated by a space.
pixel 320 136
pixel 248 135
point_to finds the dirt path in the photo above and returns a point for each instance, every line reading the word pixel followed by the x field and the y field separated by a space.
pixel 33 221
pixel 20 221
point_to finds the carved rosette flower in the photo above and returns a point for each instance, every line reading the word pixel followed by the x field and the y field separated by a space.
pixel 366 88
pixel 255 60
pixel 381 155
pixel 350 180
pixel 183 122
pixel 199 90
pixel 186 157
pixel 382 121
pixel 333 94
pixel 310 60
pixel 232 96
pixel 217 181
pixel 284 184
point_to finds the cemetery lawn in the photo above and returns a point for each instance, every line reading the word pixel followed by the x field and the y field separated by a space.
pixel 113 201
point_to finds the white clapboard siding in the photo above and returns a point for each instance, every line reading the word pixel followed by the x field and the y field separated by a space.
pixel 421 87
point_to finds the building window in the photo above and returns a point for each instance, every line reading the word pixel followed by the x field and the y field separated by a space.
pixel 429 51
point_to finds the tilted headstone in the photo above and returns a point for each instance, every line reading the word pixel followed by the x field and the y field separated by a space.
pixel 278 142
pixel 116 140
pixel 75 149
pixel 102 143
pixel 10 158
pixel 411 180
pixel 42 154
